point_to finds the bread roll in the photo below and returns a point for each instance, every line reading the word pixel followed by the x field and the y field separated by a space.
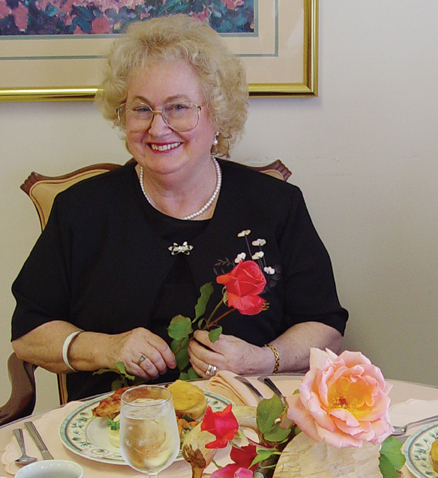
pixel 188 399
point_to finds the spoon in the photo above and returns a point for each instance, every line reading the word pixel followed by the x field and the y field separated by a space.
pixel 402 430
pixel 24 459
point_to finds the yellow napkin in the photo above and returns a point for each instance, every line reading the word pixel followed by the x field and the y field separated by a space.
pixel 224 383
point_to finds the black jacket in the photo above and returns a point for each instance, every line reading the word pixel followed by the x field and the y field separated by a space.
pixel 100 263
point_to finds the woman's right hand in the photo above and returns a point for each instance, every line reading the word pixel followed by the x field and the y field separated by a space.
pixel 144 354
pixel 91 351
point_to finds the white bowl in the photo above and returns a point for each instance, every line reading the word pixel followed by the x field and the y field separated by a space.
pixel 51 469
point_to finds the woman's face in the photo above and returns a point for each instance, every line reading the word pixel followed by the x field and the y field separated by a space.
pixel 159 149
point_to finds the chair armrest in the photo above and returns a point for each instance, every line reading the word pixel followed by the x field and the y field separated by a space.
pixel 23 394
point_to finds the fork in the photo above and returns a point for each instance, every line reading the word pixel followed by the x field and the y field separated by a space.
pixel 267 381
pixel 401 430
pixel 250 386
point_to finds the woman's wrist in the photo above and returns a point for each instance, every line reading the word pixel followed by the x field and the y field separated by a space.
pixel 91 351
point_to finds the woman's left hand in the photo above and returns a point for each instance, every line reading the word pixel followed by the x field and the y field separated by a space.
pixel 228 353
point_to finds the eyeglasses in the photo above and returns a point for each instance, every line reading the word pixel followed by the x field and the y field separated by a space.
pixel 181 117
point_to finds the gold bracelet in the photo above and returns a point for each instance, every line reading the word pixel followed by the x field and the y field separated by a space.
pixel 277 358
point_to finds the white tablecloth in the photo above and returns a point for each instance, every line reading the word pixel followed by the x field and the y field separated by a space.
pixel 405 408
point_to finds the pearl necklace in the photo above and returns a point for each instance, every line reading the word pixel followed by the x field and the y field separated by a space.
pixel 206 205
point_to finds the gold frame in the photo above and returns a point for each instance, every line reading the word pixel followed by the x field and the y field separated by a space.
pixel 307 85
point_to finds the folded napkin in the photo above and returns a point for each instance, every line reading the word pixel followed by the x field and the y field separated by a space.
pixel 225 384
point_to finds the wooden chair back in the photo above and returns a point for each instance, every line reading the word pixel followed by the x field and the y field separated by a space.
pixel 42 190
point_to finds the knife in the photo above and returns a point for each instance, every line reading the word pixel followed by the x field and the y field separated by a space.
pixel 36 437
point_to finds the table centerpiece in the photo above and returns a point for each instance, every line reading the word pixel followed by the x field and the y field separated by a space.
pixel 336 425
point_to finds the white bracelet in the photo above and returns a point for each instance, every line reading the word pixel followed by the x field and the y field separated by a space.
pixel 66 346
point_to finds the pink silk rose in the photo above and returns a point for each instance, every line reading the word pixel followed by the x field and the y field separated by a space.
pixel 343 400
pixel 243 285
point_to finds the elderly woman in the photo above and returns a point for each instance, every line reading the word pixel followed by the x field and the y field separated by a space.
pixel 126 251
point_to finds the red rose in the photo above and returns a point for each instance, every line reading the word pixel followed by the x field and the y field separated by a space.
pixel 243 285
pixel 242 457
pixel 223 425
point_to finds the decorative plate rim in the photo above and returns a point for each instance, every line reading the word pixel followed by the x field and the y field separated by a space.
pixel 73 429
pixel 416 450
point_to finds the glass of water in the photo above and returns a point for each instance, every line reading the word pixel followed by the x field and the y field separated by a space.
pixel 149 438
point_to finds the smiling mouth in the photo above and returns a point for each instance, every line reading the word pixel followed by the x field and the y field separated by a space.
pixel 164 147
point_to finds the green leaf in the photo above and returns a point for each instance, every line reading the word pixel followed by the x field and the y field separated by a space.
pixel 119 368
pixel 387 468
pixel 215 333
pixel 189 375
pixel 268 411
pixel 103 370
pixel 391 449
pixel 118 383
pixel 124 379
pixel 201 305
pixel 277 434
pixel 263 454
pixel 180 349
pixel 180 327
pixel 192 374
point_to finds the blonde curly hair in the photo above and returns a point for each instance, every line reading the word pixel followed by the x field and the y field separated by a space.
pixel 179 37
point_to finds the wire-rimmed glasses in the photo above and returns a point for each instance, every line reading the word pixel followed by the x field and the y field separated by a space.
pixel 180 116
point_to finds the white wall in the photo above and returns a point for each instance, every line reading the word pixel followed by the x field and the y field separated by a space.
pixel 364 153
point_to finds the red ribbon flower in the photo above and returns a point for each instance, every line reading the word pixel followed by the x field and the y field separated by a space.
pixel 223 425
pixel 243 285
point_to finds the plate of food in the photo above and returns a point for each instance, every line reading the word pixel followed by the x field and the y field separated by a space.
pixel 417 451
pixel 91 430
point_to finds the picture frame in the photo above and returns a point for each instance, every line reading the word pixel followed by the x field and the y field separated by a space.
pixel 281 57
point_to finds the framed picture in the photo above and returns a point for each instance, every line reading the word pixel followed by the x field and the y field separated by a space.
pixel 55 49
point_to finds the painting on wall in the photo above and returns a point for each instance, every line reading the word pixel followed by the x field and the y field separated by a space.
pixel 55 49
pixel 109 17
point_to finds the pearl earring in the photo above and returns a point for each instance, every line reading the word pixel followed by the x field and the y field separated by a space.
pixel 215 141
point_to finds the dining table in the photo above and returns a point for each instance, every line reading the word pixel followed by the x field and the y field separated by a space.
pixel 409 401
